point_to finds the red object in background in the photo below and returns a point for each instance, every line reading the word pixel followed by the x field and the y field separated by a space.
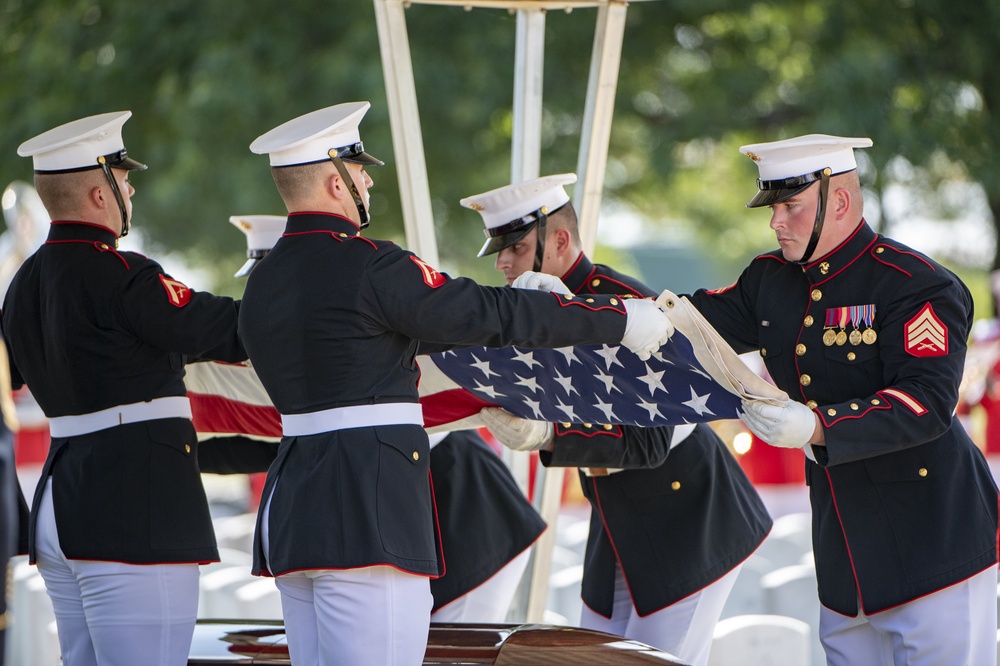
pixel 31 446
pixel 256 489
pixel 990 402
pixel 764 464
pixel 31 441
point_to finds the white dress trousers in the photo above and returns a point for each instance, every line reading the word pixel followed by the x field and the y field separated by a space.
pixel 369 615
pixel 489 602
pixel 112 613
pixel 956 626
pixel 684 629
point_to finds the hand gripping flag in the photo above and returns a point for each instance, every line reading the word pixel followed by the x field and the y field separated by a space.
pixel 695 377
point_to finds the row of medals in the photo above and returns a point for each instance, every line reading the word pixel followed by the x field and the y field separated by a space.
pixel 832 337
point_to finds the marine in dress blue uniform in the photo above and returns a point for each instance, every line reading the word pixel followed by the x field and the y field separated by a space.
pixel 673 516
pixel 487 525
pixel 120 520
pixel 868 337
pixel 332 322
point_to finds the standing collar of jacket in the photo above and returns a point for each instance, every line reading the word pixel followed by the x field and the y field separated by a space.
pixel 841 256
pixel 576 277
pixel 310 221
pixel 69 230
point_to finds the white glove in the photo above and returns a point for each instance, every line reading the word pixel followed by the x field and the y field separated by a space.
pixel 647 328
pixel 514 432
pixel 540 282
pixel 788 427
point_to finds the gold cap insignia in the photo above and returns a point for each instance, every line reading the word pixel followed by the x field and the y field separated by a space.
pixel 478 207
pixel 754 156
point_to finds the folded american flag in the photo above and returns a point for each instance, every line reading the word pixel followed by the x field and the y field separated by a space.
pixel 688 381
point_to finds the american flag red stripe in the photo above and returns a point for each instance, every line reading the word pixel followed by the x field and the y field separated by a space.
pixel 228 399
pixel 446 407
pixel 215 414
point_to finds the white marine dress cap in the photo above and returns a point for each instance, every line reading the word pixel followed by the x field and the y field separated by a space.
pixel 789 166
pixel 510 212
pixel 81 144
pixel 262 232
pixel 310 138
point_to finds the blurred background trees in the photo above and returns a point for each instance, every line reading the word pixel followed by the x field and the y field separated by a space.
pixel 698 79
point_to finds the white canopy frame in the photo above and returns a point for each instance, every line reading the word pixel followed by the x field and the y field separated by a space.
pixel 418 220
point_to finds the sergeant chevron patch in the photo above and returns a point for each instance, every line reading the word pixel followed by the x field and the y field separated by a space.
pixel 926 335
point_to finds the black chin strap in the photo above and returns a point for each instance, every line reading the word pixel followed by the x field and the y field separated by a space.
pixel 339 163
pixel 543 217
pixel 824 188
pixel 118 195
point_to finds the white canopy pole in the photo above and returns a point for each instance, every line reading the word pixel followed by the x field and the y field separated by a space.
pixel 404 120
pixel 529 60
pixel 529 66
pixel 600 106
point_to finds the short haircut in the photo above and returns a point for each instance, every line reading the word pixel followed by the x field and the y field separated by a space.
pixel 851 181
pixel 565 218
pixel 296 182
pixel 61 193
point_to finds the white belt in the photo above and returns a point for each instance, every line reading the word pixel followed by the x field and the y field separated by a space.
pixel 159 408
pixel 359 416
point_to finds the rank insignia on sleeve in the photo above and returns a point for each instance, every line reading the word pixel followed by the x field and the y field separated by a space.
pixel 926 334
pixel 432 278
pixel 178 293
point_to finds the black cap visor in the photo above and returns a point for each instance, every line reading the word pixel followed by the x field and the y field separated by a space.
pixel 131 165
pixel 121 160
pixel 506 235
pixel 365 158
pixel 253 257
pixel 355 153
pixel 247 267
pixel 771 192
pixel 775 191
pixel 768 197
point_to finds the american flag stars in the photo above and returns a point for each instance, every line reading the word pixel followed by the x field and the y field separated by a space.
pixel 597 384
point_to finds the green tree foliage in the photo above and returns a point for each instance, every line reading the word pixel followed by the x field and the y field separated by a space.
pixel 915 75
pixel 698 79
pixel 203 80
